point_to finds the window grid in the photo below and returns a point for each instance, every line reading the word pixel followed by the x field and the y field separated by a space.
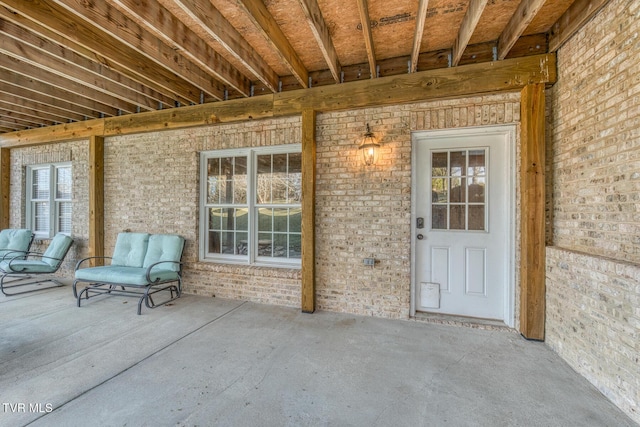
pixel 260 224
pixel 458 182
pixel 50 199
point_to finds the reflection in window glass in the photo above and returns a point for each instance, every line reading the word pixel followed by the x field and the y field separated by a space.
pixel 255 216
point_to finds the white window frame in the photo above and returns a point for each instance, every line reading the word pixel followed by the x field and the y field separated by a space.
pixel 52 200
pixel 252 257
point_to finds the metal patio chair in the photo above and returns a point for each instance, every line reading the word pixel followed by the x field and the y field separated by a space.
pixel 31 268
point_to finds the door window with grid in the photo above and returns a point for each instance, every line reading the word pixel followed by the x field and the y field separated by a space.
pixel 458 184
pixel 251 205
pixel 49 199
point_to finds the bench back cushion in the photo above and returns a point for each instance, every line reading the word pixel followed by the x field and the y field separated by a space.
pixel 164 247
pixel 57 249
pixel 15 239
pixel 130 249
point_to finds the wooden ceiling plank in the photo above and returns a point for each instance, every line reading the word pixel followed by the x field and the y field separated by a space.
pixel 65 72
pixel 322 35
pixel 107 67
pixel 25 109
pixel 110 50
pixel 365 21
pixel 421 16
pixel 213 23
pixel 169 29
pixel 103 102
pixel 106 18
pixel 44 111
pixel 258 13
pixel 76 107
pixel 578 14
pixel 10 111
pixel 524 14
pixel 71 65
pixel 468 26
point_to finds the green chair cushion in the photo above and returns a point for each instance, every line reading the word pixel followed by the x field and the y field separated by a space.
pixel 130 249
pixel 26 266
pixel 12 239
pixel 164 247
pixel 57 249
pixel 133 276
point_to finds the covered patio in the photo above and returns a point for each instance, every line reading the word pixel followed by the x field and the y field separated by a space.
pixel 212 361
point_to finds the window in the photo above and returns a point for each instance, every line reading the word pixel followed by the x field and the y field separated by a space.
pixel 251 205
pixel 458 179
pixel 49 199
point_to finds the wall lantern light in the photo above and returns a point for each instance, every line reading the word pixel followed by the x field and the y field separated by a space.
pixel 369 147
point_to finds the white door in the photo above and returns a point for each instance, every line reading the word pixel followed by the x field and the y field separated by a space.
pixel 462 188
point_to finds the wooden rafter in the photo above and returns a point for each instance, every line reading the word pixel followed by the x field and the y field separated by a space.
pixel 49 83
pixel 469 23
pixel 22 118
pixel 207 20
pixel 526 11
pixel 168 29
pixel 108 68
pixel 418 33
pixel 322 35
pixel 36 90
pixel 578 14
pixel 365 21
pixel 110 49
pixel 127 32
pixel 44 106
pixel 27 46
pixel 264 21
pixel 21 107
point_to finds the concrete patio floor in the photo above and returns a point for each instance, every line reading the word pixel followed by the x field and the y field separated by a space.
pixel 212 362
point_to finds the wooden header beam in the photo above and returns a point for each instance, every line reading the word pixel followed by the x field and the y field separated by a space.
pixel 466 80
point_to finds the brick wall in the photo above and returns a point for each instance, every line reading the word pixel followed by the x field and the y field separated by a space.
pixel 366 211
pixel 78 154
pixel 593 296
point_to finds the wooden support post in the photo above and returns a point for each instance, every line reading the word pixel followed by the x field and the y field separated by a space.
pixel 532 212
pixel 5 188
pixel 308 211
pixel 96 198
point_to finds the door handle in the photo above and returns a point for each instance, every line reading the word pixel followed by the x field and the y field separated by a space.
pixel 420 236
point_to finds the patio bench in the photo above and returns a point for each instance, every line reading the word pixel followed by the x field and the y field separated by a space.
pixel 141 266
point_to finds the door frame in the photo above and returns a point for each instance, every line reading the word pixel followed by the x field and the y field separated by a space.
pixel 509 132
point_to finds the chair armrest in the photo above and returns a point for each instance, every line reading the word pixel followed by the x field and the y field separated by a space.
pixel 88 258
pixel 160 262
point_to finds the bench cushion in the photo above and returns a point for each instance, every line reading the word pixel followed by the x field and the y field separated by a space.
pixel 164 247
pixel 28 266
pixel 130 249
pixel 133 276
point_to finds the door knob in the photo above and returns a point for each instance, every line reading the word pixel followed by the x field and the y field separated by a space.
pixel 420 236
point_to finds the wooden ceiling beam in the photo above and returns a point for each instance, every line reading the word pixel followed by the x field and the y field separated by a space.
pixel 466 80
pixel 67 75
pixel 107 49
pixel 106 18
pixel 524 14
pixel 39 104
pixel 28 46
pixel 71 107
pixel 469 23
pixel 26 109
pixel 421 16
pixel 322 35
pixel 365 22
pixel 69 89
pixel 578 14
pixel 104 66
pixel 258 13
pixel 11 112
pixel 174 33
pixel 208 21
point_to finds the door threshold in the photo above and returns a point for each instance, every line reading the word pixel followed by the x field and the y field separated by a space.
pixel 463 321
